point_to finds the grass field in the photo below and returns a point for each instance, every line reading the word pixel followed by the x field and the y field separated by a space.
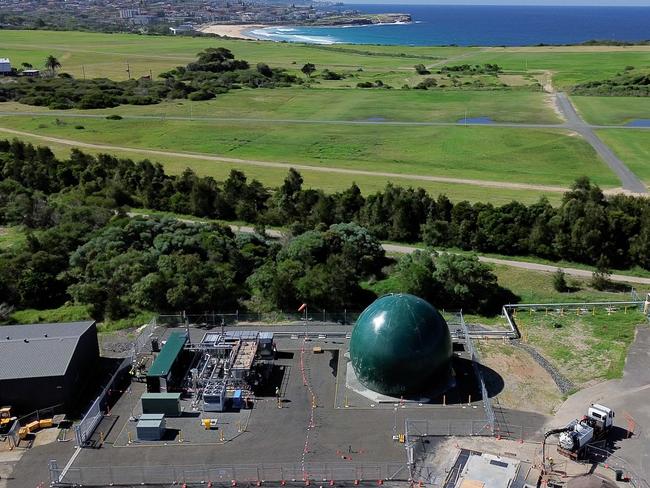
pixel 529 156
pixel 612 110
pixel 273 177
pixel 632 146
pixel 351 105
pixel 107 55
pixel 535 156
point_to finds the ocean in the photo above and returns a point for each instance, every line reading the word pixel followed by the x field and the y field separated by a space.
pixel 479 26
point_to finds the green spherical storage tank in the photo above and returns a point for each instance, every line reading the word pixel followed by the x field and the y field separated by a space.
pixel 401 345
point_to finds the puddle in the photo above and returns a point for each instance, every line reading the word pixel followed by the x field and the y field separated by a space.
pixel 639 123
pixel 376 119
pixel 476 120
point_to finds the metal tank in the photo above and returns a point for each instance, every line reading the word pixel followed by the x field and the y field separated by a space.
pixel 401 345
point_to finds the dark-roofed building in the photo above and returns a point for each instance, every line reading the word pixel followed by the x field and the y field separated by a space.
pixel 44 365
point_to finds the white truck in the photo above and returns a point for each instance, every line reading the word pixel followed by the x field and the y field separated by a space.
pixel 578 434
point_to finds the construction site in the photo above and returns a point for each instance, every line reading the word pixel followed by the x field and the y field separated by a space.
pixel 402 396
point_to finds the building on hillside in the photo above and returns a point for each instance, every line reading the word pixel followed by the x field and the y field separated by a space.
pixel 182 29
pixel 44 365
pixel 5 66
pixel 32 73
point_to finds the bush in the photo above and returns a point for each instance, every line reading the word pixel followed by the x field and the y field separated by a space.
pixel 559 281
pixel 422 69
pixel 114 117
pixel 79 127
pixel 201 95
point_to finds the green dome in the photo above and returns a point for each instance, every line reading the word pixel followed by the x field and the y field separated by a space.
pixel 401 345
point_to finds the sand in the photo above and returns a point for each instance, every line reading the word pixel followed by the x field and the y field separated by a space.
pixel 231 30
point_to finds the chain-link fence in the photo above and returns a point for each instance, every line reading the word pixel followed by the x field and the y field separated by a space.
pixel 215 319
pixel 229 475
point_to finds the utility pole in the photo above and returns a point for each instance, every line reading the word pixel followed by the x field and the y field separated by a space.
pixel 83 71
pixel 128 69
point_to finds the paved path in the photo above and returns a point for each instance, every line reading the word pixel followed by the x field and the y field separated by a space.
pixel 287 165
pixel 266 120
pixel 628 179
pixel 583 273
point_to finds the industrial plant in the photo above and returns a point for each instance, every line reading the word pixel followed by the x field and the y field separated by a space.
pixel 400 397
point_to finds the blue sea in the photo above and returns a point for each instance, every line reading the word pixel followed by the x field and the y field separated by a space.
pixel 479 26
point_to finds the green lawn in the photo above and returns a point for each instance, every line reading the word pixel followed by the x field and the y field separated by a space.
pixel 612 110
pixel 585 348
pixel 529 156
pixel 632 146
pixel 349 105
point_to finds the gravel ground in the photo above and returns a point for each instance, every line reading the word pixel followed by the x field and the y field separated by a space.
pixel 565 386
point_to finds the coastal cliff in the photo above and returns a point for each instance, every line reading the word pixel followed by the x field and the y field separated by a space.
pixel 362 19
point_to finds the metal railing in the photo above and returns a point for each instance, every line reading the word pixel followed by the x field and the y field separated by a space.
pixel 608 460
pixel 476 361
pixel 251 474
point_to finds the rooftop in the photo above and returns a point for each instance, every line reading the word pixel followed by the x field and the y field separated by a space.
pixel 168 354
pixel 38 350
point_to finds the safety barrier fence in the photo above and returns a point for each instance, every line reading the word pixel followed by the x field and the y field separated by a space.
pixel 227 475
pixel 608 460
pixel 85 428
pixel 12 434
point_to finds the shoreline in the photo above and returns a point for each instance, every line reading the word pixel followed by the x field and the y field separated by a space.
pixel 236 31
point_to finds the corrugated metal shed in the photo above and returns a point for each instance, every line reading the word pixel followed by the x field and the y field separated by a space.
pixel 168 354
pixel 38 350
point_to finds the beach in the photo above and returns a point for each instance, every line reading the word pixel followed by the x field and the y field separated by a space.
pixel 231 30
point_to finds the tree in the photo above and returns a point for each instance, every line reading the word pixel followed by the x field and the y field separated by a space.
pixel 52 64
pixel 26 65
pixel 559 281
pixel 308 69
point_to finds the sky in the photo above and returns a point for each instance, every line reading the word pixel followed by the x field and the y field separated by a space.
pixel 616 3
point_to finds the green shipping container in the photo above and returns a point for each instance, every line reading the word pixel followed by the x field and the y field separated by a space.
pixel 165 403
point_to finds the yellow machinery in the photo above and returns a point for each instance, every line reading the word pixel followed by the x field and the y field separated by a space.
pixel 5 416
pixel 32 427
pixel 209 424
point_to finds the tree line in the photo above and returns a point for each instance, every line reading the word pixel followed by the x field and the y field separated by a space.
pixel 587 227
pixel 215 71
pixel 83 247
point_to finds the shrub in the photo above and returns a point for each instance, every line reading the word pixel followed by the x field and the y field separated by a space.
pixel 559 281
pixel 114 117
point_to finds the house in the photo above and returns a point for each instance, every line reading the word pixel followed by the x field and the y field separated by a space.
pixel 5 66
